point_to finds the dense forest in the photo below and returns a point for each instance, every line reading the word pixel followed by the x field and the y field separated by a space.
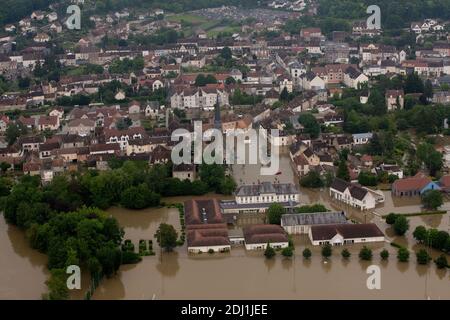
pixel 173 5
pixel 395 15
pixel 13 10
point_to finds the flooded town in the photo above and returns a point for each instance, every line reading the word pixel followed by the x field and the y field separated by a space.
pixel 180 275
pixel 224 150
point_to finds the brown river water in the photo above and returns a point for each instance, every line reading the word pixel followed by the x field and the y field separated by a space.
pixel 240 274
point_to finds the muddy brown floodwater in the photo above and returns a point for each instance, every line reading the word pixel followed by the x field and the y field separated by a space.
pixel 247 275
pixel 241 274
pixel 23 271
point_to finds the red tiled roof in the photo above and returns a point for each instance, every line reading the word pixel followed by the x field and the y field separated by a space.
pixel 207 235
pixel 445 181
pixel 413 183
pixel 263 233
pixel 194 210
pixel 48 120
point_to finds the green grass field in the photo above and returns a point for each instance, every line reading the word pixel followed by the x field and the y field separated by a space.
pixel 193 22
pixel 188 18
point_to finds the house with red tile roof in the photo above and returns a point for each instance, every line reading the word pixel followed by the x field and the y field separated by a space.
pixel 413 186
pixel 444 183
pixel 347 233
pixel 205 226
pixel 257 236
pixel 48 123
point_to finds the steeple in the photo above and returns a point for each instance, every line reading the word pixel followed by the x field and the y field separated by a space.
pixel 217 117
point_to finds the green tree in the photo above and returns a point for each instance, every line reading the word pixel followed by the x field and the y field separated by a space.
pixel 414 84
pixel 365 253
pixel 227 185
pixel 428 90
pixel 166 236
pixel 432 199
pixel 4 166
pixel 311 180
pixel 310 124
pixel 139 197
pixel 327 251
pixel 306 253
pixel 212 175
pixel 367 179
pixel 284 95
pixel 428 155
pixel 441 262
pixel 423 257
pixel 345 254
pixel 342 171
pixel 287 252
pixel 403 254
pixel 275 212
pixel 110 258
pixel 57 285
pixel 384 254
pixel 230 80
pixel 14 131
pixel 390 218
pixel 401 225
pixel 376 99
pixel 226 53
pixel 269 252
pixel 420 234
pixel 440 239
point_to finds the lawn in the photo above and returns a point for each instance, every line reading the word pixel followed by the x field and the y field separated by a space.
pixel 193 22
pixel 216 30
pixel 188 18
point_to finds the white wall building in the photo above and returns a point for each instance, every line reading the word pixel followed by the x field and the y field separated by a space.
pixel 267 192
pixel 352 194
pixel 342 234
pixel 256 237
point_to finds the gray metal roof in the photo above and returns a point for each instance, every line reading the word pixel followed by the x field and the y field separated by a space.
pixel 266 188
pixel 313 218
pixel 231 204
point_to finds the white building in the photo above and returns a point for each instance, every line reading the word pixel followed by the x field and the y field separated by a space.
pixel 341 234
pixel 362 138
pixel 184 171
pixel 257 237
pixel 122 137
pixel 205 98
pixel 353 78
pixel 205 227
pixel 267 192
pixel 311 81
pixel 353 195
